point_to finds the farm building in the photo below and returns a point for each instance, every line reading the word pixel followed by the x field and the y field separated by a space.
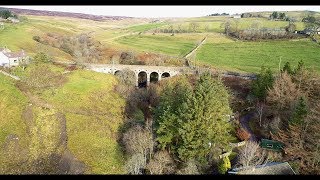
pixel 236 16
pixel 10 59
pixel 274 168
pixel 271 144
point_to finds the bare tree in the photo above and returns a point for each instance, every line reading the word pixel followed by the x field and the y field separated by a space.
pixel 190 168
pixel 138 140
pixel 259 109
pixel 179 28
pixel 161 163
pixel 284 92
pixel 194 26
pixel 256 25
pixel 135 164
pixel 251 155
pixel 171 28
pixel 227 25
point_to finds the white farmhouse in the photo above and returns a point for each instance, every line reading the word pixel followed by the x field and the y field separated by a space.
pixel 236 16
pixel 10 59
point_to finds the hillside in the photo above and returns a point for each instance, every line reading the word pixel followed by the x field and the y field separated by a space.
pixel 68 127
pixel 65 14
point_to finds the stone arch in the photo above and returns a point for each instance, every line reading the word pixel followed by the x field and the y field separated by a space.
pixel 154 77
pixel 142 79
pixel 165 75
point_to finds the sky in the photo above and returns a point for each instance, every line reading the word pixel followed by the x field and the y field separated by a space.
pixel 165 11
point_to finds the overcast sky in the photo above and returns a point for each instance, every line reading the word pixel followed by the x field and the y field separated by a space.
pixel 165 11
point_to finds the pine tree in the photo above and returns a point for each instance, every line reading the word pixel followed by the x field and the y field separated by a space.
pixel 300 112
pixel 193 122
pixel 263 83
pixel 287 68
pixel 207 121
pixel 300 67
pixel 167 114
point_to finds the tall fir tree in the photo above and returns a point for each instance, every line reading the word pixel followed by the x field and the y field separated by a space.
pixel 300 112
pixel 287 68
pixel 263 82
pixel 193 123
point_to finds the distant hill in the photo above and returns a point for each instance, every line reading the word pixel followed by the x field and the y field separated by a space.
pixel 66 14
pixel 298 15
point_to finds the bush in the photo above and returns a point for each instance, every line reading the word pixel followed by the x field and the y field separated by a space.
pixel 43 77
pixel 41 57
pixel 224 165
pixel 36 38
pixel 242 134
pixel 127 58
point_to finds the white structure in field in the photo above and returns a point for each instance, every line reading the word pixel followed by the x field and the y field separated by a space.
pixel 10 59
pixel 236 16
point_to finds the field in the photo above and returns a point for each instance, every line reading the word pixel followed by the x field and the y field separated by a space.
pixel 94 114
pixel 145 27
pixel 12 102
pixel 122 35
pixel 215 24
pixel 93 111
pixel 19 36
pixel 250 56
pixel 160 43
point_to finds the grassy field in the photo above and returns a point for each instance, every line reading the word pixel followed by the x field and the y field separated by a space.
pixel 94 113
pixel 145 27
pixel 250 56
pixel 215 24
pixel 159 43
pixel 12 104
pixel 19 36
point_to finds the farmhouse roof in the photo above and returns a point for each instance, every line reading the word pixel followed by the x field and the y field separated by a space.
pixel 15 54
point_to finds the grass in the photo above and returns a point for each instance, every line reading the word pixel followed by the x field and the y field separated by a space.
pixel 94 113
pixel 145 27
pixel 19 36
pixel 12 103
pixel 215 24
pixel 250 56
pixel 160 43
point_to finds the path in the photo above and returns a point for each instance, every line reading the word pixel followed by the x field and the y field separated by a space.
pixel 196 48
pixel 244 121
pixel 10 75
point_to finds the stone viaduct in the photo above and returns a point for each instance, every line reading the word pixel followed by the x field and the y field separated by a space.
pixel 143 73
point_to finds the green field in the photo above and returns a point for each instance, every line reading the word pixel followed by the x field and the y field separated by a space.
pixel 12 102
pixel 145 27
pixel 94 112
pixel 250 56
pixel 160 43
pixel 215 24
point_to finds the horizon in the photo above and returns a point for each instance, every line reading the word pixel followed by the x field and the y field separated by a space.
pixel 170 11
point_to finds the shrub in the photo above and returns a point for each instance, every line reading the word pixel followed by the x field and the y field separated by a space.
pixel 36 38
pixel 224 165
